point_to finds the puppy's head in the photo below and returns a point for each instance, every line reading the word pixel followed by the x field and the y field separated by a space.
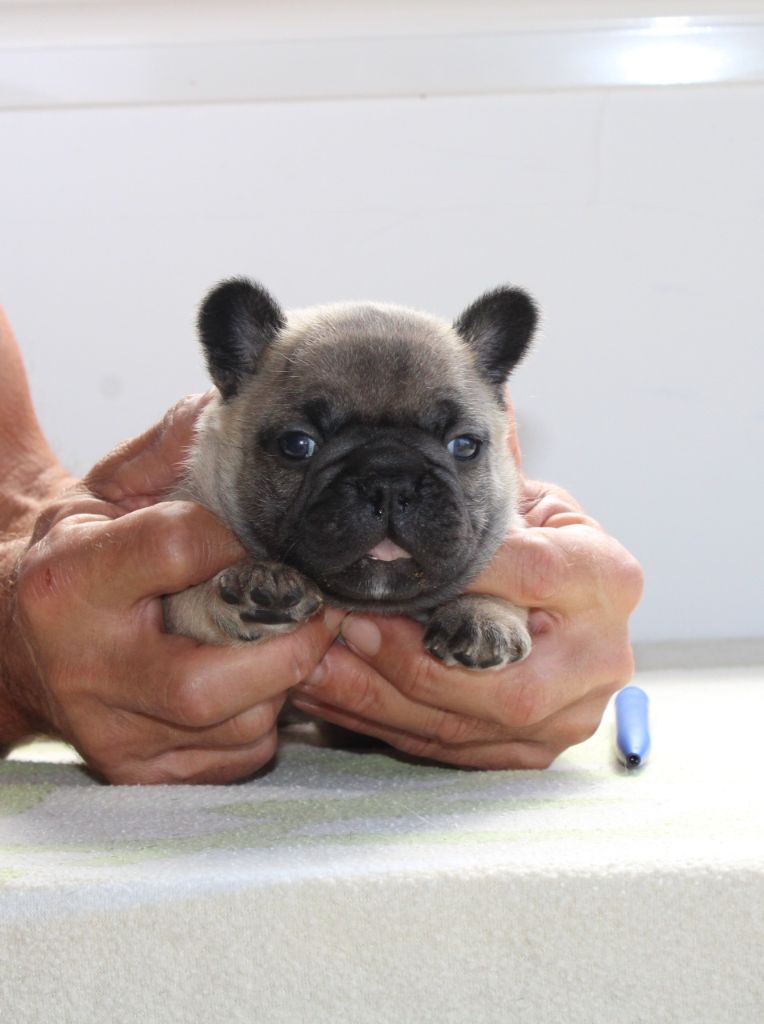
pixel 363 444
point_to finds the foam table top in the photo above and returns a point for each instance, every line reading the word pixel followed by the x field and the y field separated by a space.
pixel 362 887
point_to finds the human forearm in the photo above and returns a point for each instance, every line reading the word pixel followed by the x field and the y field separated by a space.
pixel 30 473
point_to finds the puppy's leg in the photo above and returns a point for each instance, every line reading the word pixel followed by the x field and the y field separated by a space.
pixel 478 631
pixel 246 603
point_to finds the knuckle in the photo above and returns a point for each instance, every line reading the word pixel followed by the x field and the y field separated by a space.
pixel 174 538
pixel 540 757
pixel 364 695
pixel 617 667
pixel 521 706
pixel 419 680
pixel 255 724
pixel 191 704
pixel 579 730
pixel 50 515
pixel 418 746
pixel 226 768
pixel 630 580
pixel 266 749
pixel 179 418
pixel 110 756
pixel 542 568
pixel 42 581
pixel 450 729
pixel 623 668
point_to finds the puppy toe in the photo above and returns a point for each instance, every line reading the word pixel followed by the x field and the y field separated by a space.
pixel 463 633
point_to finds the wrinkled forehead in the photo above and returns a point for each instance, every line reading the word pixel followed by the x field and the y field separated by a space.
pixel 398 363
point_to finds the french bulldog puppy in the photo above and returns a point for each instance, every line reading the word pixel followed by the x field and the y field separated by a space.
pixel 359 452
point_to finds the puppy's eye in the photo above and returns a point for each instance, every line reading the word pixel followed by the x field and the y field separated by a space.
pixel 464 447
pixel 297 445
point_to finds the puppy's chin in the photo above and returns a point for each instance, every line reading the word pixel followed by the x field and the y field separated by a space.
pixel 370 583
pixel 395 582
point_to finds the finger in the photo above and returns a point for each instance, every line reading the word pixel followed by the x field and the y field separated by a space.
pixel 194 766
pixel 548 505
pixel 515 697
pixel 201 686
pixel 575 723
pixel 568 568
pixel 528 569
pixel 160 549
pixel 517 755
pixel 75 502
pixel 153 736
pixel 151 463
pixel 394 648
pixel 566 728
pixel 488 755
pixel 348 684
pixel 454 739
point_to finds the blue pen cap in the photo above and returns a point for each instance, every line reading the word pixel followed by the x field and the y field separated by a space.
pixel 632 726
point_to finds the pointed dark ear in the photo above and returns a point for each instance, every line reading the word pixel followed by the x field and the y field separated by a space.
pixel 237 321
pixel 498 328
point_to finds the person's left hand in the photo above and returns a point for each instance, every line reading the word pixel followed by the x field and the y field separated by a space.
pixel 582 586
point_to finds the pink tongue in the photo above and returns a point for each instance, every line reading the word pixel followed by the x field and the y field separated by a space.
pixel 387 551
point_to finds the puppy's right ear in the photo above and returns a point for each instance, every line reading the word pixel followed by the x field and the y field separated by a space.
pixel 237 321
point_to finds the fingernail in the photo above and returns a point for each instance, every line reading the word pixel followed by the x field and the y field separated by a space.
pixel 362 635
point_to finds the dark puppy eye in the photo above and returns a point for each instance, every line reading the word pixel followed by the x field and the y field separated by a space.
pixel 296 444
pixel 464 447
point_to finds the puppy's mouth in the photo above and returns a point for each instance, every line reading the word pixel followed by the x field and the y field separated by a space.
pixel 386 575
pixel 387 551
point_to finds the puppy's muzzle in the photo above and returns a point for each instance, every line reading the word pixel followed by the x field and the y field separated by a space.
pixel 389 480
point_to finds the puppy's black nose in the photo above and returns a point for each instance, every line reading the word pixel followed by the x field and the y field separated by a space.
pixel 386 496
pixel 389 478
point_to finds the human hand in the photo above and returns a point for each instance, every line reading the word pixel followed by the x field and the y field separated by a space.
pixel 582 586
pixel 86 655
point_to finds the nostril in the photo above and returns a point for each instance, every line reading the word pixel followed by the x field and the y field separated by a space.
pixel 385 495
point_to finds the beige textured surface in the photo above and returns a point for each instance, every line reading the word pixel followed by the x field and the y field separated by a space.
pixel 357 887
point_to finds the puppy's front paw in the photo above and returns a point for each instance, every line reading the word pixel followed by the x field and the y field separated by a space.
pixel 478 632
pixel 255 600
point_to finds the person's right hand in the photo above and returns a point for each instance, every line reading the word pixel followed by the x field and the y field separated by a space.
pixel 87 653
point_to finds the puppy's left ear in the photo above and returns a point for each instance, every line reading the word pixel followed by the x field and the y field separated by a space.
pixel 237 321
pixel 498 327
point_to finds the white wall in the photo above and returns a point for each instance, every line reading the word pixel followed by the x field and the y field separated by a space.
pixel 634 215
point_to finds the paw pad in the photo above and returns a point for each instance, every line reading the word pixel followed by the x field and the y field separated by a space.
pixel 264 598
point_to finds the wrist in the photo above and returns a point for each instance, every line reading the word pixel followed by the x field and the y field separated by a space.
pixel 18 719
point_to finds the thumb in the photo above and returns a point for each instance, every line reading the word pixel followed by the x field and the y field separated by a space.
pixel 530 568
pixel 139 471
pixel 565 568
pixel 157 550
